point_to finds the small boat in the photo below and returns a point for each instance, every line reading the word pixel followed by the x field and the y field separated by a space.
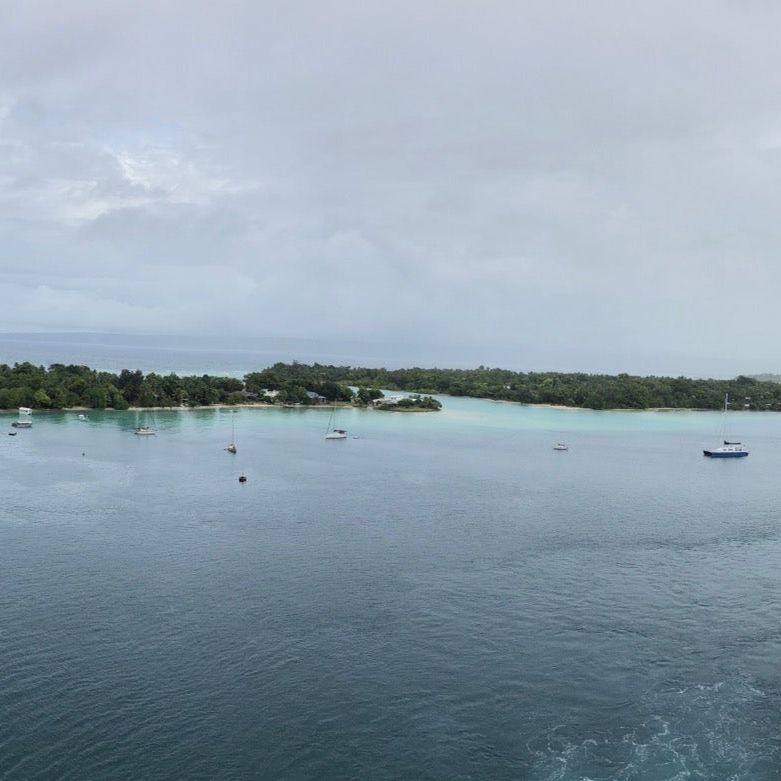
pixel 728 449
pixel 11 433
pixel 242 478
pixel 334 433
pixel 560 446
pixel 82 417
pixel 144 431
pixel 731 450
pixel 24 412
pixel 232 447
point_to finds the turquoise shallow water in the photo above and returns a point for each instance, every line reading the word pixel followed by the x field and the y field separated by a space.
pixel 443 597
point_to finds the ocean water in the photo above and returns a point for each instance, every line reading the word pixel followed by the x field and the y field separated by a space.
pixel 442 597
pixel 218 355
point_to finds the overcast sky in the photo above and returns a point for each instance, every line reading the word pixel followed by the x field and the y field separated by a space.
pixel 551 185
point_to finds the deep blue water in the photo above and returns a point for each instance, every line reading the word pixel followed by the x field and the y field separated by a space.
pixel 443 597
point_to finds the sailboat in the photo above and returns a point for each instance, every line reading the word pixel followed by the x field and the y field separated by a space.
pixel 232 447
pixel 143 431
pixel 334 433
pixel 728 449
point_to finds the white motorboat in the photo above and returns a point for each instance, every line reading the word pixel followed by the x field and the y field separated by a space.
pixel 24 418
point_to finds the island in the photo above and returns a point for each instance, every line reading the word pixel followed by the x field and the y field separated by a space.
pixel 413 403
pixel 61 386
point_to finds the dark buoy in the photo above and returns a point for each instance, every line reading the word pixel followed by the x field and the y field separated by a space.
pixel 242 478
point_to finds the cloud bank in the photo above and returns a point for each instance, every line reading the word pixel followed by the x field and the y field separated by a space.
pixel 548 185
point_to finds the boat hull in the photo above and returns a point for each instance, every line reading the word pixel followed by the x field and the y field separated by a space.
pixel 725 453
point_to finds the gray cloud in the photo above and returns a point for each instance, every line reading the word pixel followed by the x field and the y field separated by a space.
pixel 545 185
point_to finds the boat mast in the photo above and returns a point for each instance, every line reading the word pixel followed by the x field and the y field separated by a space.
pixel 232 447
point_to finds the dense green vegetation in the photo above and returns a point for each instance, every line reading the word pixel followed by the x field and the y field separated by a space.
pixel 413 403
pixel 290 384
pixel 62 386
pixel 595 391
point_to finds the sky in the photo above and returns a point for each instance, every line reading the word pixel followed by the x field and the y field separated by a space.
pixel 536 185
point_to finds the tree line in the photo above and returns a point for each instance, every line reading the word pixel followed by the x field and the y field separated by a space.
pixel 60 386
pixel 576 389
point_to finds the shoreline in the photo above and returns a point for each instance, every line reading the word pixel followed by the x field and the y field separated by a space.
pixel 197 407
pixel 569 408
pixel 346 405
pixel 628 409
pixel 44 388
pixel 404 409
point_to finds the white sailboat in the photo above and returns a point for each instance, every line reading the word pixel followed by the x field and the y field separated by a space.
pixel 143 431
pixel 232 447
pixel 334 433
